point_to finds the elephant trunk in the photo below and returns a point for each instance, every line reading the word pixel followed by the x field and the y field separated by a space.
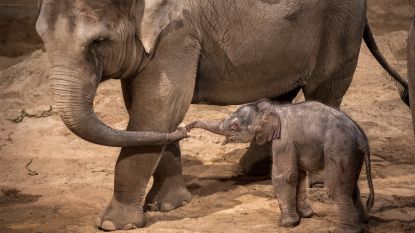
pixel 411 71
pixel 211 126
pixel 74 91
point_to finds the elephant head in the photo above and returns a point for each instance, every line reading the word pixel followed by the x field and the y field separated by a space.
pixel 250 122
pixel 91 41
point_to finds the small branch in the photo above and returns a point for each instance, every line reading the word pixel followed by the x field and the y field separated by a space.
pixel 108 172
pixel 19 118
pixel 24 114
pixel 30 172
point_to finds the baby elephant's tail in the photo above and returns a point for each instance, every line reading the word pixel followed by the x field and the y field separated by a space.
pixel 364 147
pixel 371 198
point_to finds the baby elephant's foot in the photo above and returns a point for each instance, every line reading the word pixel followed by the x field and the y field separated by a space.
pixel 289 220
pixel 119 216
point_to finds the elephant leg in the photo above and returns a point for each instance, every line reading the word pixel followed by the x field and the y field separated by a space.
pixel 357 201
pixel 340 177
pixel 303 204
pixel 329 93
pixel 160 98
pixel 348 219
pixel 285 181
pixel 168 190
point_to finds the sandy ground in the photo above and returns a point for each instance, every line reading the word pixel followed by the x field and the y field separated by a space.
pixel 69 181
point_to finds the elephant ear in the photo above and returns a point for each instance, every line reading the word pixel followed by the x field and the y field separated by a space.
pixel 156 16
pixel 267 127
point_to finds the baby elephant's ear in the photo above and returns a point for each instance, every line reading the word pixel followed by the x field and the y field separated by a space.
pixel 259 127
pixel 263 127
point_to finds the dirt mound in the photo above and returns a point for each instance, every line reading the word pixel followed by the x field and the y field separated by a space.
pixel 25 85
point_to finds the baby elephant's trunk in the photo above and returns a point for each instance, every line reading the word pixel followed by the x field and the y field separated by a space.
pixel 211 126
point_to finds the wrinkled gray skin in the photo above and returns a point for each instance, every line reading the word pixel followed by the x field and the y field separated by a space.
pixel 305 137
pixel 170 53
pixel 411 68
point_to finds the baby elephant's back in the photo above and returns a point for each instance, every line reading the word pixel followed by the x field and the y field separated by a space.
pixel 319 123
pixel 339 131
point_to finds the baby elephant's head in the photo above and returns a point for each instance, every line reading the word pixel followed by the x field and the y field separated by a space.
pixel 248 123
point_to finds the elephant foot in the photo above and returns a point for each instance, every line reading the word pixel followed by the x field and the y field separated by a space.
pixel 167 198
pixel 306 212
pixel 120 216
pixel 289 221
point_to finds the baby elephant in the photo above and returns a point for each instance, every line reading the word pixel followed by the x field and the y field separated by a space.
pixel 305 137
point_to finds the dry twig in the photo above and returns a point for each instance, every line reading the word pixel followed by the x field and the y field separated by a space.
pixel 24 114
pixel 108 172
pixel 30 172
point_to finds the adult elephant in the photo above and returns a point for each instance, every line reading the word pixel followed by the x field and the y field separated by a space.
pixel 171 53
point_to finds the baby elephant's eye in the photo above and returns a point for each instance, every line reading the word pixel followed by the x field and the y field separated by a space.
pixel 235 126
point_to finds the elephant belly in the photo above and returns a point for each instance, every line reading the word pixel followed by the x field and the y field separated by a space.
pixel 265 58
pixel 238 88
pixel 310 156
pixel 262 74
pixel 247 56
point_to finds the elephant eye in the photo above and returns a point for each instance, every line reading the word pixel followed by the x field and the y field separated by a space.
pixel 99 46
pixel 235 126
pixel 98 42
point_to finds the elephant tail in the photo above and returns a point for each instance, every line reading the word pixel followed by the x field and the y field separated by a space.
pixel 371 199
pixel 363 144
pixel 371 44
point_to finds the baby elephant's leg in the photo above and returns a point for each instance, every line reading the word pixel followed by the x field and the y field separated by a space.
pixel 340 180
pixel 303 205
pixel 361 211
pixel 285 181
pixel 348 220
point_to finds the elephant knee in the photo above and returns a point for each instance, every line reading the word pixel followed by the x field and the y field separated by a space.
pixel 289 177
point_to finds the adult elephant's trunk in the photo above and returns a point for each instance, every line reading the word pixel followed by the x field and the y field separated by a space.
pixel 74 91
pixel 411 71
pixel 211 126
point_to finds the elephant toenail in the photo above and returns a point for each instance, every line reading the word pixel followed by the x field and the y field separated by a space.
pixel 184 203
pixel 128 227
pixel 108 226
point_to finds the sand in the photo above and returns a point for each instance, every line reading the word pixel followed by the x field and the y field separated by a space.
pixel 69 181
